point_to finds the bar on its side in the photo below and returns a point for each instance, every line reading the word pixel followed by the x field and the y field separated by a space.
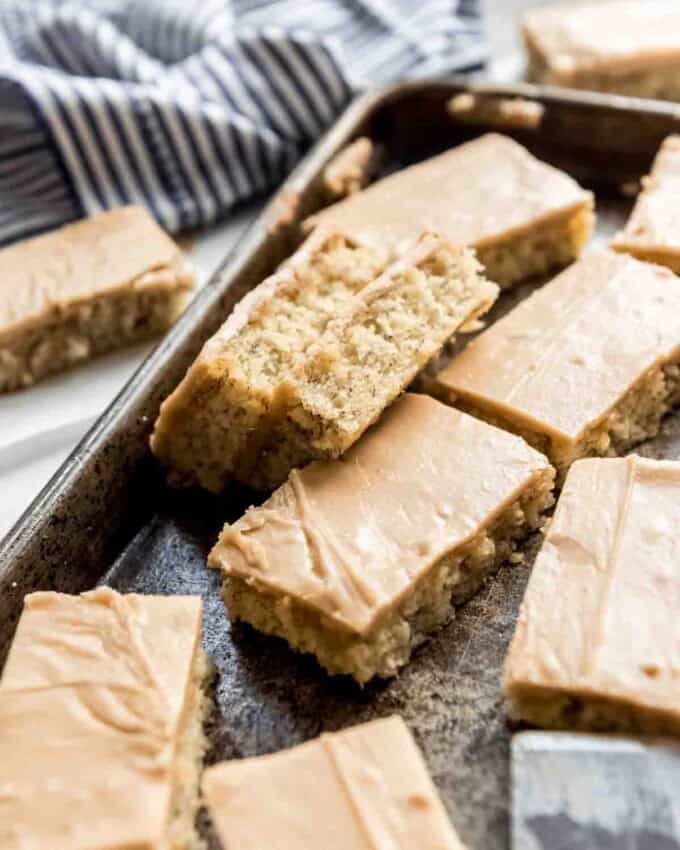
pixel 359 789
pixel 522 216
pixel 357 560
pixel 329 328
pixel 620 46
pixel 210 428
pixel 588 365
pixel 371 353
pixel 597 644
pixel 652 232
pixel 90 287
pixel 102 702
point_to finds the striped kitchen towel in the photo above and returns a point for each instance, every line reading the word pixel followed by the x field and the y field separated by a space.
pixel 187 107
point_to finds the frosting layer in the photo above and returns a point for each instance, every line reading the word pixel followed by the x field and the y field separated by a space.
pixel 563 358
pixel 475 194
pixel 99 255
pixel 611 557
pixel 611 35
pixel 654 224
pixel 91 701
pixel 366 788
pixel 350 537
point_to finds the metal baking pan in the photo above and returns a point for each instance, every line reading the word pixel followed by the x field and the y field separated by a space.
pixel 106 516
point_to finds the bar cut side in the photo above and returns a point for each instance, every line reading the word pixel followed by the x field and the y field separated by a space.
pixel 117 686
pixel 86 289
pixel 652 232
pixel 357 560
pixel 369 355
pixel 607 657
pixel 521 216
pixel 358 789
pixel 211 428
pixel 587 366
pixel 619 46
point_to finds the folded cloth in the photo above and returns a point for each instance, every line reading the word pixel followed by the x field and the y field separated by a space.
pixel 189 108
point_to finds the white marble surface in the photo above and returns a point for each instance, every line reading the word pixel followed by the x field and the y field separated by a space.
pixel 40 426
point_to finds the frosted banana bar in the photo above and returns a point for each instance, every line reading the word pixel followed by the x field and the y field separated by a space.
pixel 102 702
pixel 90 287
pixel 359 789
pixel 596 645
pixel 358 559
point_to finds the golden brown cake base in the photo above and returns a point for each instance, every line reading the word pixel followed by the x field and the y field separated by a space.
pixel 557 709
pixel 451 581
pixel 80 331
pixel 636 418
pixel 367 358
pixel 548 246
pixel 188 764
pixel 659 83
pixel 210 430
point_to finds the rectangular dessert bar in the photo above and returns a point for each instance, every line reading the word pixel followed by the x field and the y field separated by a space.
pixel 369 354
pixel 210 428
pixel 90 287
pixel 587 365
pixel 628 47
pixel 607 657
pixel 359 789
pixel 327 338
pixel 357 560
pixel 652 232
pixel 522 216
pixel 102 704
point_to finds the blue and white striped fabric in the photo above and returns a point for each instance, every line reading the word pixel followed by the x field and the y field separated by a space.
pixel 189 108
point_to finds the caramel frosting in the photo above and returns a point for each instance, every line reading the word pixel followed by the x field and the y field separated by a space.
pixel 365 788
pixel 476 194
pixel 611 558
pixel 91 700
pixel 562 359
pixel 350 538
pixel 654 224
pixel 605 36
pixel 108 252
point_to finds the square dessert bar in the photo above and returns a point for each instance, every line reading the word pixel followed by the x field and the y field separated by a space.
pixel 597 644
pixel 310 358
pixel 356 560
pixel 653 230
pixel 587 365
pixel 629 47
pixel 90 287
pixel 102 704
pixel 522 216
pixel 359 789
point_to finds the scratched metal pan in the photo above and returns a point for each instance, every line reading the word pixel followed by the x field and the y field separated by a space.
pixel 107 515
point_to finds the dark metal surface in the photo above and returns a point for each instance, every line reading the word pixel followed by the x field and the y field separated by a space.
pixel 594 792
pixel 107 516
